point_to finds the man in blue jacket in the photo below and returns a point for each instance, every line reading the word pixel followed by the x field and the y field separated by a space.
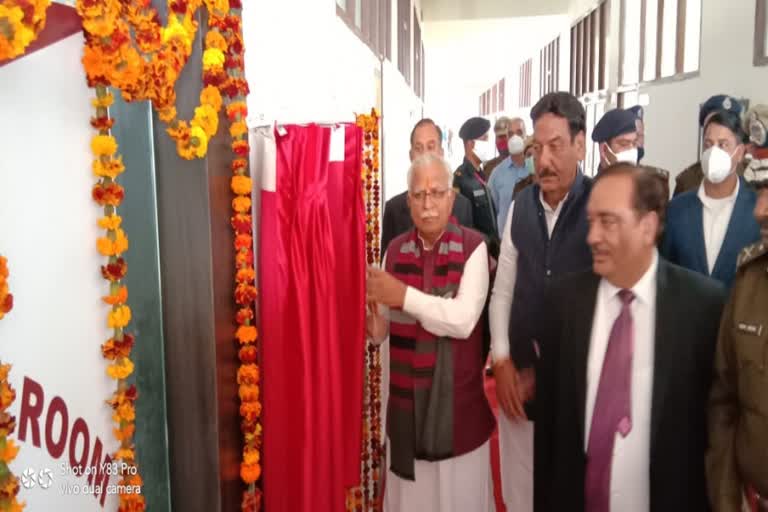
pixel 708 226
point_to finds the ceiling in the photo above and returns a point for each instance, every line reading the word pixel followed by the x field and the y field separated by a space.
pixel 452 10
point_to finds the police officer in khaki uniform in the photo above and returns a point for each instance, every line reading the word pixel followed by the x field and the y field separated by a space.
pixel 737 461
pixel 468 180
pixel 692 177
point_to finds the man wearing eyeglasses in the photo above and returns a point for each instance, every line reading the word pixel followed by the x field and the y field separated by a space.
pixel 427 302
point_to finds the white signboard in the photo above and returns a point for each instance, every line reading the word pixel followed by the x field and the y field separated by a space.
pixel 52 337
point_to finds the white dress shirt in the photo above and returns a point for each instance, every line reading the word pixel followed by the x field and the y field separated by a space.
pixel 452 317
pixel 506 276
pixel 716 214
pixel 630 477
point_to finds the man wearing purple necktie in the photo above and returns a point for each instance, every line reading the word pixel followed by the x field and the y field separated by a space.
pixel 626 366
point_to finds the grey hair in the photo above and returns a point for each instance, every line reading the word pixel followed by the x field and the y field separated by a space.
pixel 428 160
pixel 522 121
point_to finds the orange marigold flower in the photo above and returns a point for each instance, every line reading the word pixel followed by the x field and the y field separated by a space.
pixel 9 452
pixel 245 294
pixel 214 39
pixel 248 374
pixel 245 275
pixel 7 395
pixel 238 128
pixel 241 204
pixel 250 411
pixel 102 123
pixel 244 258
pixel 241 185
pixel 210 95
pixel 125 433
pixel 250 472
pixel 243 242
pixel 124 412
pixel 248 393
pixel 111 194
pixel 238 108
pixel 120 297
pixel 167 114
pixel 109 168
pixel 115 349
pixel 246 334
pixel 125 454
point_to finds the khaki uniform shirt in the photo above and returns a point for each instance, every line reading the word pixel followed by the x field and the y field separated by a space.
pixel 738 414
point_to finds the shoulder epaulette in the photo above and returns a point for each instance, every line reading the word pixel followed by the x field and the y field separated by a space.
pixel 751 253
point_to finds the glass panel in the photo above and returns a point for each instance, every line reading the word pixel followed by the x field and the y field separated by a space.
pixel 651 23
pixel 630 70
pixel 692 35
pixel 669 38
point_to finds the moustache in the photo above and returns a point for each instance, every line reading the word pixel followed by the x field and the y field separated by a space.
pixel 547 173
pixel 428 215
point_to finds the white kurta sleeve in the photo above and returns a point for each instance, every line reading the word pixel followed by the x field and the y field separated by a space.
pixel 503 290
pixel 456 317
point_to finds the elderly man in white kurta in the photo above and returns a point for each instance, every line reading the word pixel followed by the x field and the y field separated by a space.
pixel 428 302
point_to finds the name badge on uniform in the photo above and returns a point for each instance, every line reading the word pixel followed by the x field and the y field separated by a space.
pixel 755 330
pixel 479 192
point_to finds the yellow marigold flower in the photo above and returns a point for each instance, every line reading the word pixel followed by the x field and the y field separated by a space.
pixel 213 39
pixel 238 128
pixel 7 395
pixel 112 168
pixel 241 204
pixel 119 317
pixel 103 102
pixel 241 185
pixel 176 30
pixel 211 96
pixel 103 145
pixel 125 411
pixel 104 245
pixel 108 247
pixel 197 134
pixel 22 34
pixel 121 370
pixel 206 118
pixel 213 58
pixel 10 451
pixel 110 222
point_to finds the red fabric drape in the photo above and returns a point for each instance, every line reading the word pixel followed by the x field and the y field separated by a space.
pixel 312 279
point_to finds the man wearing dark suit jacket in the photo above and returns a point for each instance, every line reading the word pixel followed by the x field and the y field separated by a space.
pixel 625 368
pixel 426 137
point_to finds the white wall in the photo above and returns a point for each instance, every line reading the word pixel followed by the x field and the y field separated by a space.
pixel 317 70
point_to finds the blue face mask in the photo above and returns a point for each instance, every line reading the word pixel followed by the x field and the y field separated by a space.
pixel 529 165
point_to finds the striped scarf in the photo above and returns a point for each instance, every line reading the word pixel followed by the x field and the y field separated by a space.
pixel 420 415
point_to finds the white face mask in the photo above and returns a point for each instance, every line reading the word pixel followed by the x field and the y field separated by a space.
pixel 484 151
pixel 628 155
pixel 515 145
pixel 716 164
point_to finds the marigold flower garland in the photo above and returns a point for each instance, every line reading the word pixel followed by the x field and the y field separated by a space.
pixel 21 21
pixel 248 376
pixel 107 166
pixel 372 449
pixel 127 48
pixel 9 483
